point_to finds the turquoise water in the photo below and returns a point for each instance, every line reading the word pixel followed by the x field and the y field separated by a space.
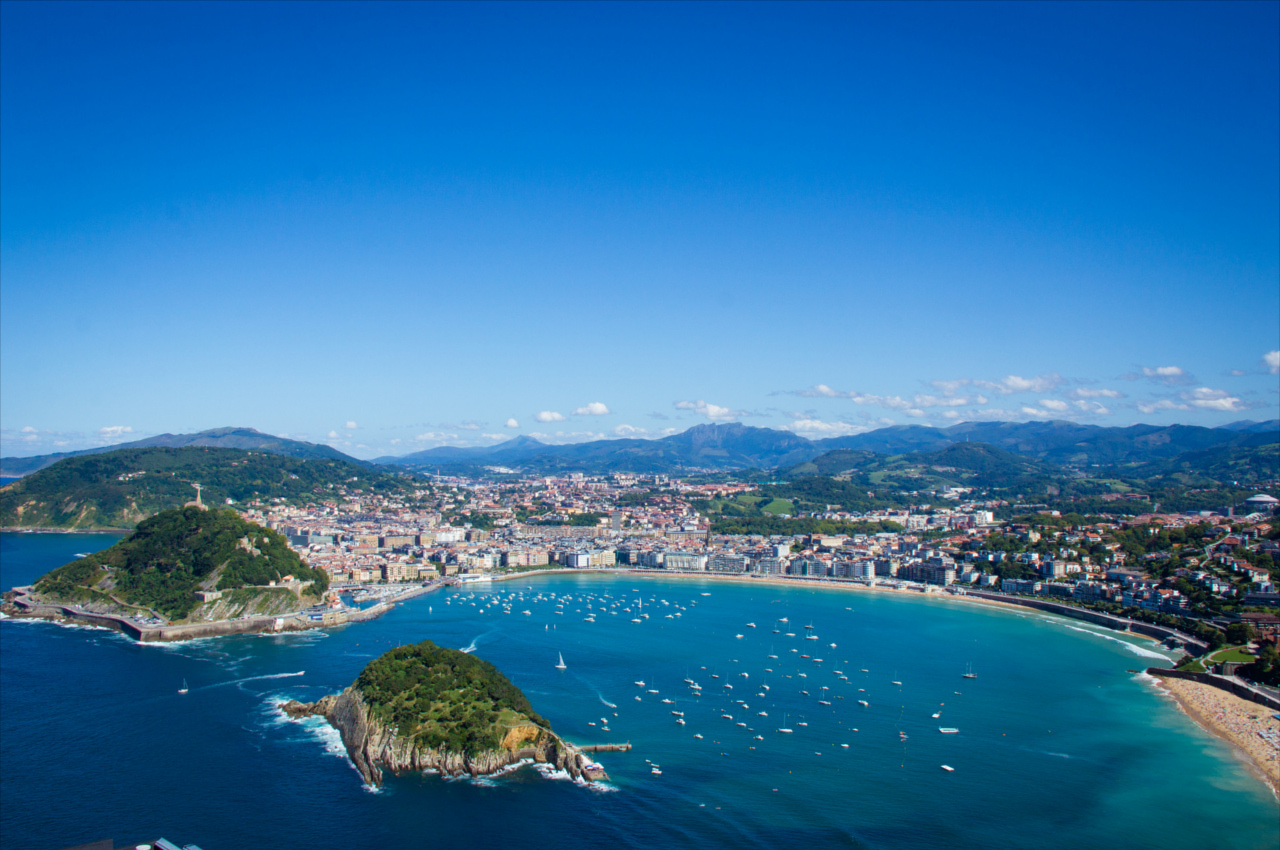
pixel 1058 746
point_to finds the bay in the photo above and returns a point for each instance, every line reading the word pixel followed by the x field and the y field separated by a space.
pixel 1058 746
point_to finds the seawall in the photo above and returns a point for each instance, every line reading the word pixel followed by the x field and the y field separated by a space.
pixel 1224 683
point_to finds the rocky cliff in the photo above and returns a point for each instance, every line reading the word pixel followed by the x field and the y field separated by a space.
pixel 374 747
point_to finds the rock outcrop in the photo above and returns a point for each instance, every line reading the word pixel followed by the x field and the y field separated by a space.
pixel 373 747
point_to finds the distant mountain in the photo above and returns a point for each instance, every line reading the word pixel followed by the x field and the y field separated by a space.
pixel 961 464
pixel 224 438
pixel 734 446
pixel 119 489
pixel 729 446
pixel 1271 426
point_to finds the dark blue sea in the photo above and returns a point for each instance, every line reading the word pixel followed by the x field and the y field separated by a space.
pixel 1058 746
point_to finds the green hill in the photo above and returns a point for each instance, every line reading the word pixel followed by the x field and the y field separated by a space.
pixel 119 489
pixel 439 697
pixel 171 556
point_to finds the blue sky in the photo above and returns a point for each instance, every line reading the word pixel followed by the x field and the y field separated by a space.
pixel 396 226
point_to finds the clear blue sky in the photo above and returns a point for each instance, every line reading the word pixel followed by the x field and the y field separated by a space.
pixel 394 226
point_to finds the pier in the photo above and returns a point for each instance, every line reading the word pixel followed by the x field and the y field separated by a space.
pixel 605 748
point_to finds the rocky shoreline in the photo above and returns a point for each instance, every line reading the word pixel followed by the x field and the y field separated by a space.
pixel 374 747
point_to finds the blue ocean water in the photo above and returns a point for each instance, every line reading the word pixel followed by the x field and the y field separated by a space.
pixel 1058 746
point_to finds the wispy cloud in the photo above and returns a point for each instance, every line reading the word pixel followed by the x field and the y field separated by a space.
pixel 1086 392
pixel 821 428
pixel 114 432
pixel 714 412
pixel 1170 376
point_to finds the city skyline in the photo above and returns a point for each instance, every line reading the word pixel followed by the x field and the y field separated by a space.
pixel 388 228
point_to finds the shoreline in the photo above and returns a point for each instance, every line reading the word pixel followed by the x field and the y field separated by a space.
pixel 1232 720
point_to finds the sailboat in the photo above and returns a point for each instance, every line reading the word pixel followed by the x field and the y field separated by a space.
pixel 183 689
pixel 561 665
pixel 784 728
pixel 968 673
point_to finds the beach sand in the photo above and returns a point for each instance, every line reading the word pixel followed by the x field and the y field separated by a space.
pixel 1241 723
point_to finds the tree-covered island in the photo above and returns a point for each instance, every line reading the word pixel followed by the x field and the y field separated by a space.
pixel 425 707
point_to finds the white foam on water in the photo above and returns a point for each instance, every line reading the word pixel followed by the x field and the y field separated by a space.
pixel 1131 647
pixel 254 679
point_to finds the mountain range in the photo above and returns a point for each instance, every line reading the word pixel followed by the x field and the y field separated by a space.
pixel 736 446
pixel 733 446
pixel 246 439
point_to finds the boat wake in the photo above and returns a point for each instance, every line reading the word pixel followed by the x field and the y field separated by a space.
pixel 253 679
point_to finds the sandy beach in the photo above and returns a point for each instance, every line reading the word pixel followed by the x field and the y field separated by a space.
pixel 1250 728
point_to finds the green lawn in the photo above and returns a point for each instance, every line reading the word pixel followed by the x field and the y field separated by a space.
pixel 1230 653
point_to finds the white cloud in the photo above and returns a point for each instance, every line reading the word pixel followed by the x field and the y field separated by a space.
pixel 630 431
pixel 27 429
pixel 914 412
pixel 1170 376
pixel 1014 384
pixel 1086 392
pixel 333 435
pixel 818 427
pixel 112 432
pixel 434 437
pixel 713 412
pixel 549 416
pixel 1054 404
pixel 351 426
pixel 1211 399
pixel 395 441
pixel 1092 407
pixel 512 423
pixel 496 436
pixel 1272 361
pixel 595 408
pixel 1162 404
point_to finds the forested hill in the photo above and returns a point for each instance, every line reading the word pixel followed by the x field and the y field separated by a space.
pixel 121 488
pixel 176 553
pixel 438 697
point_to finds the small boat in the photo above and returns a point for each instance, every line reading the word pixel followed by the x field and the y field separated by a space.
pixel 937 714
pixel 948 768
pixel 969 674
pixel 895 683
pixel 561 665
pixel 655 771
pixel 183 689
pixel 751 625
pixel 947 730
pixel 638 682
pixel 699 737
pixel 863 702
pixel 738 636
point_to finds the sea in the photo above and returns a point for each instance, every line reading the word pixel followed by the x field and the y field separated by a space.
pixel 1058 742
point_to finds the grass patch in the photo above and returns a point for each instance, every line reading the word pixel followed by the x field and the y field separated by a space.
pixel 779 506
pixel 1231 653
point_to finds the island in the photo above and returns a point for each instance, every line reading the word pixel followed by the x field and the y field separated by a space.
pixel 423 707
pixel 185 572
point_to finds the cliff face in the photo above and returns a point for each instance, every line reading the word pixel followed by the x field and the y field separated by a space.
pixel 373 747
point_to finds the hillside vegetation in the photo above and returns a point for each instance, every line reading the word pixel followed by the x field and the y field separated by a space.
pixel 440 697
pixel 119 489
pixel 176 553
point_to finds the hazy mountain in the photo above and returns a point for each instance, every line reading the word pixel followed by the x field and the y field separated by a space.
pixel 246 439
pixel 735 446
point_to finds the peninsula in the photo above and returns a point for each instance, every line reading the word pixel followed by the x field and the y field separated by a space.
pixel 424 707
pixel 187 566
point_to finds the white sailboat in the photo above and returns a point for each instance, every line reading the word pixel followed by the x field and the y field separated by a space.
pixel 561 665
pixel 183 689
